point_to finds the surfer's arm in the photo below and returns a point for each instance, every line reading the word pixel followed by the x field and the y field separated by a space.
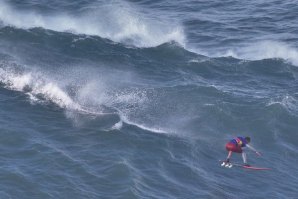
pixel 253 149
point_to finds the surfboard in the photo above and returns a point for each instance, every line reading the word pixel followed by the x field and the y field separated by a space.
pixel 250 167
pixel 230 165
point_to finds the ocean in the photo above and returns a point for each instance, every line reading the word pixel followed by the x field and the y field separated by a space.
pixel 137 99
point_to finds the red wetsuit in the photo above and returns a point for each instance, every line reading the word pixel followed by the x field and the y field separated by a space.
pixel 236 144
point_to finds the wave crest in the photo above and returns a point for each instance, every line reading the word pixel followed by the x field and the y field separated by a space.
pixel 264 50
pixel 119 23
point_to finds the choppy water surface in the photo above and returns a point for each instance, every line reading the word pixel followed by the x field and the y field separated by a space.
pixel 136 99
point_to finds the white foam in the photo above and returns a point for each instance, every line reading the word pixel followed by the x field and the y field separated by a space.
pixel 256 51
pixel 91 97
pixel 120 23
pixel 143 126
pixel 267 50
pixel 18 82
pixel 117 126
pixel 36 85
pixel 52 92
pixel 130 104
pixel 288 102
pixel 41 87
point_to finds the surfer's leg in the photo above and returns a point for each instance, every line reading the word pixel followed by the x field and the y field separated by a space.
pixel 230 148
pixel 229 156
pixel 244 157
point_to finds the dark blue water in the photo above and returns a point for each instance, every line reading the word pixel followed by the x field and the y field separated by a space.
pixel 136 99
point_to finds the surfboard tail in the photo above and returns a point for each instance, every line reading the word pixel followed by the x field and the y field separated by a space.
pixel 256 168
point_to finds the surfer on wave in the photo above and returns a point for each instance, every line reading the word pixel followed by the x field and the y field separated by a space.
pixel 236 145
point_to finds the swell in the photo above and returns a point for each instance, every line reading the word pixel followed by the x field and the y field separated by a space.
pixel 260 50
pixel 266 50
pixel 117 21
pixel 123 23
pixel 164 82
pixel 78 98
pixel 98 91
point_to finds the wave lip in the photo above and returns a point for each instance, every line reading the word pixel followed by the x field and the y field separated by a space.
pixel 89 99
pixel 35 86
pixel 119 23
pixel 265 50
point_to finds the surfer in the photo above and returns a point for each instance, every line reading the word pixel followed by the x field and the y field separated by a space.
pixel 236 144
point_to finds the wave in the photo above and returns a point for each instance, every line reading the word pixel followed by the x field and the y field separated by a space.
pixel 267 50
pixel 117 21
pixel 257 51
pixel 141 126
pixel 43 88
pixel 35 86
pixel 288 102
pixel 93 98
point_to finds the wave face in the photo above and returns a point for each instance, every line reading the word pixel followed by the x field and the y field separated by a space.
pixel 136 99
pixel 117 21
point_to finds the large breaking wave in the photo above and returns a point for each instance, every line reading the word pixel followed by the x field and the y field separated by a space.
pixel 118 22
